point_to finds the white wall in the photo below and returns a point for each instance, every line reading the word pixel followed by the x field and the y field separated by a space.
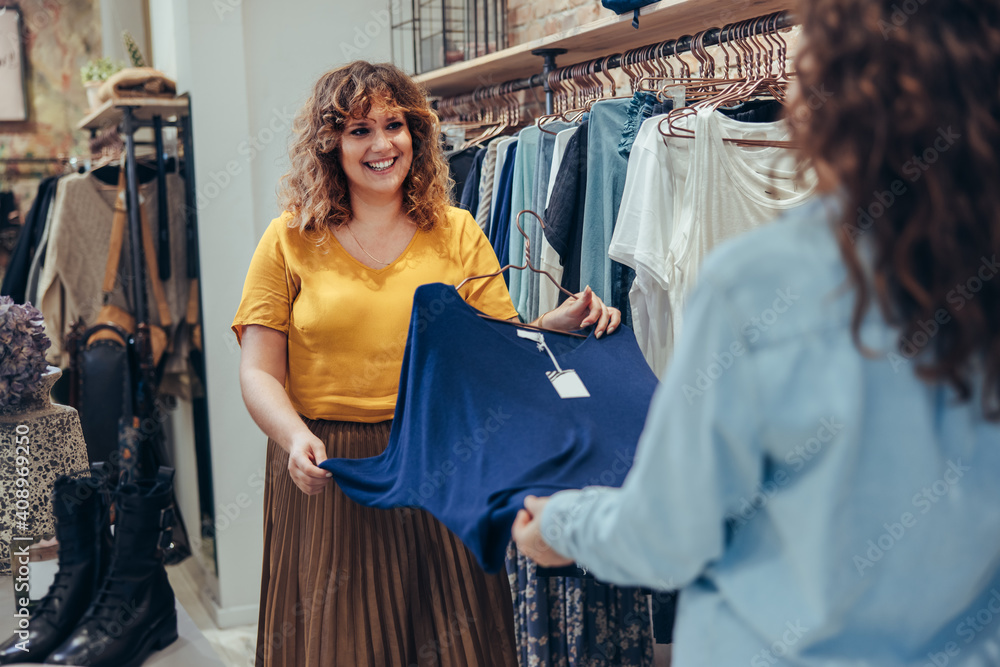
pixel 294 42
pixel 119 15
pixel 248 67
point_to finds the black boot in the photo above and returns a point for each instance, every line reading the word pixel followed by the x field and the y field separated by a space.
pixel 133 612
pixel 80 507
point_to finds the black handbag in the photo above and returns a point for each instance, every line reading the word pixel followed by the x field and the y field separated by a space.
pixel 104 385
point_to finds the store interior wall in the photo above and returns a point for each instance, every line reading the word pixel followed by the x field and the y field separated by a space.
pixel 528 20
pixel 248 68
pixel 59 39
pixel 118 16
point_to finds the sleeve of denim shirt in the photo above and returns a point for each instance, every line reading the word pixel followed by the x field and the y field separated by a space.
pixel 697 456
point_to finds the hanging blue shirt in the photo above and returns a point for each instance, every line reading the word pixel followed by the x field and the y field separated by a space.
pixel 814 506
pixel 481 421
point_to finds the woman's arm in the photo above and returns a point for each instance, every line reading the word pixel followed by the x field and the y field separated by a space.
pixel 263 360
pixel 697 460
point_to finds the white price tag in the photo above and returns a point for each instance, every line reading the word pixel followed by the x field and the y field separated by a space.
pixel 567 383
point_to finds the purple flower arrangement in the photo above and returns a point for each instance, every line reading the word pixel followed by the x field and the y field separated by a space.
pixel 22 351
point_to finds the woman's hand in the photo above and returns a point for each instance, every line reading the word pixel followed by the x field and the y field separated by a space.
pixel 581 311
pixel 304 453
pixel 527 533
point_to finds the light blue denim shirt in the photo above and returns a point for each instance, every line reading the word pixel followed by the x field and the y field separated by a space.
pixel 814 506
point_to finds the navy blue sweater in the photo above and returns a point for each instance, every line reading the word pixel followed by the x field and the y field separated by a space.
pixel 479 424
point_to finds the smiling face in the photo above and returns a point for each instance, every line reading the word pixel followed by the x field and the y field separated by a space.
pixel 376 152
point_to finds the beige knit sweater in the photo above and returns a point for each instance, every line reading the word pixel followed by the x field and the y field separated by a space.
pixel 77 251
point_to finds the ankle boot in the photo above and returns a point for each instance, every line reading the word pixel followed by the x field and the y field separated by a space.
pixel 80 507
pixel 133 612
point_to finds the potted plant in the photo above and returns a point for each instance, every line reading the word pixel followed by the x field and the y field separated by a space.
pixel 39 440
pixel 95 73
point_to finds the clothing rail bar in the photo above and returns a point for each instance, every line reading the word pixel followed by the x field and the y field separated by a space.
pixel 785 19
pixel 38 160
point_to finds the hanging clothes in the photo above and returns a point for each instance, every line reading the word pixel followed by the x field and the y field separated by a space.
pixel 70 281
pixel 606 170
pixel 539 196
pixel 520 199
pixel 652 202
pixel 459 164
pixel 564 215
pixel 548 292
pixel 15 280
pixel 684 196
pixel 470 191
pixel 487 175
pixel 38 260
pixel 500 229
pixel 502 152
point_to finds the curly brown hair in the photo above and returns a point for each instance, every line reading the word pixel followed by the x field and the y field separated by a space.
pixel 315 189
pixel 900 105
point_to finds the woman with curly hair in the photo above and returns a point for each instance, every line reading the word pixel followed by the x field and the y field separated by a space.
pixel 323 325
pixel 831 498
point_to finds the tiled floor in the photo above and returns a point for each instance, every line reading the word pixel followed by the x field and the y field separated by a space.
pixel 235 646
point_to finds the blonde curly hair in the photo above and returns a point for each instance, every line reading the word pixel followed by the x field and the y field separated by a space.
pixel 315 190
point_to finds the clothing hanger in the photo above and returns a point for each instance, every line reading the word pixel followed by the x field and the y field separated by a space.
pixel 601 65
pixel 589 91
pixel 527 265
pixel 659 81
pixel 494 127
pixel 555 79
pixel 760 80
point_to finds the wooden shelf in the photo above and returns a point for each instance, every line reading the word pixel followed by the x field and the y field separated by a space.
pixel 111 112
pixel 668 19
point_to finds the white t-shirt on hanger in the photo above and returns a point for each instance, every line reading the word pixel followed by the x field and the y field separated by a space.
pixel 730 189
pixel 651 202
pixel 685 196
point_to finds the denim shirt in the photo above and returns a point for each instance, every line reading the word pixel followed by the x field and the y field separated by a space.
pixel 814 506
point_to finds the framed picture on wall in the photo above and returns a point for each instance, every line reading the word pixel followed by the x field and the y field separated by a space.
pixel 13 92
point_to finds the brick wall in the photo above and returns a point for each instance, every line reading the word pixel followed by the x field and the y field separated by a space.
pixel 528 20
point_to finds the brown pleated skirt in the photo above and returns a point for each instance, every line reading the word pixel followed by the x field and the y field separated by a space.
pixel 347 585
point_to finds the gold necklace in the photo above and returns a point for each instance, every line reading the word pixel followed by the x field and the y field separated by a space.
pixel 377 260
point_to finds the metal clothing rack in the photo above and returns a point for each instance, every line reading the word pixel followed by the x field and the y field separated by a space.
pixel 712 37
pixel 131 115
pixel 142 447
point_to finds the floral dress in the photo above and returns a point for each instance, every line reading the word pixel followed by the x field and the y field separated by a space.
pixel 576 622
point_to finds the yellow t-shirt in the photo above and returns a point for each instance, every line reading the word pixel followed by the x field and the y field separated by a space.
pixel 346 322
